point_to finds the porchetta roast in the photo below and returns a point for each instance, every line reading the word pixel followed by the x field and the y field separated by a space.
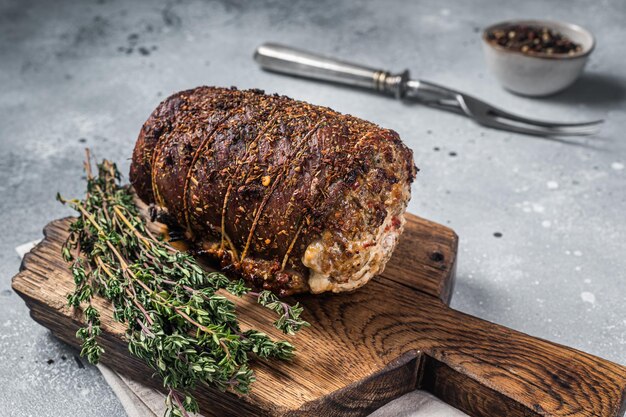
pixel 290 196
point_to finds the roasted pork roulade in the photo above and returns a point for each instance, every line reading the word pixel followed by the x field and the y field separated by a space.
pixel 290 196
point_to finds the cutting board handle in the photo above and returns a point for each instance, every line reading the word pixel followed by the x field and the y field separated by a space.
pixel 488 370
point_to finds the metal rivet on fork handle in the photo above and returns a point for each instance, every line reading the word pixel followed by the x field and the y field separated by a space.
pixel 394 84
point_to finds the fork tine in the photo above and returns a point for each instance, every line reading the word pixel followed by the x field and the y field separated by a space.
pixel 539 130
pixel 552 128
pixel 489 115
pixel 504 114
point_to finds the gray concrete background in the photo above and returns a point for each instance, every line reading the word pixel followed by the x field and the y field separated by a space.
pixel 88 73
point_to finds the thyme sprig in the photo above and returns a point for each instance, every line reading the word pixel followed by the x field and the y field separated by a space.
pixel 177 320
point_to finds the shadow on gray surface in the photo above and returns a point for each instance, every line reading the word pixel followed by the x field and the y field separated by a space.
pixel 476 297
pixel 593 89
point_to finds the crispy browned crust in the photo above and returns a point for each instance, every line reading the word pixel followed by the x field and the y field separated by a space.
pixel 254 178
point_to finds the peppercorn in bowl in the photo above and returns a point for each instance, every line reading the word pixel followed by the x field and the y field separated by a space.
pixel 536 57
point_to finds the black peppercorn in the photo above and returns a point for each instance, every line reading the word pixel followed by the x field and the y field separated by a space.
pixel 533 40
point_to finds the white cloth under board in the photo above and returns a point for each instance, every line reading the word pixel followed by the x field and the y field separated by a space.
pixel 141 401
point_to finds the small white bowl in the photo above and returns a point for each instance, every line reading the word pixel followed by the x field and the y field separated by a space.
pixel 539 74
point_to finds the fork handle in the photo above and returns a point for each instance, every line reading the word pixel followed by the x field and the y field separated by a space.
pixel 292 61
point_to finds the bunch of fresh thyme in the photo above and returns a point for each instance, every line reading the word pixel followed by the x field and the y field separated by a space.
pixel 176 319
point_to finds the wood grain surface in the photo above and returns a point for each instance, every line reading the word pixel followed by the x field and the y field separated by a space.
pixel 368 347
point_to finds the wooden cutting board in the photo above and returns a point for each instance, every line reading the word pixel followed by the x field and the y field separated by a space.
pixel 366 348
